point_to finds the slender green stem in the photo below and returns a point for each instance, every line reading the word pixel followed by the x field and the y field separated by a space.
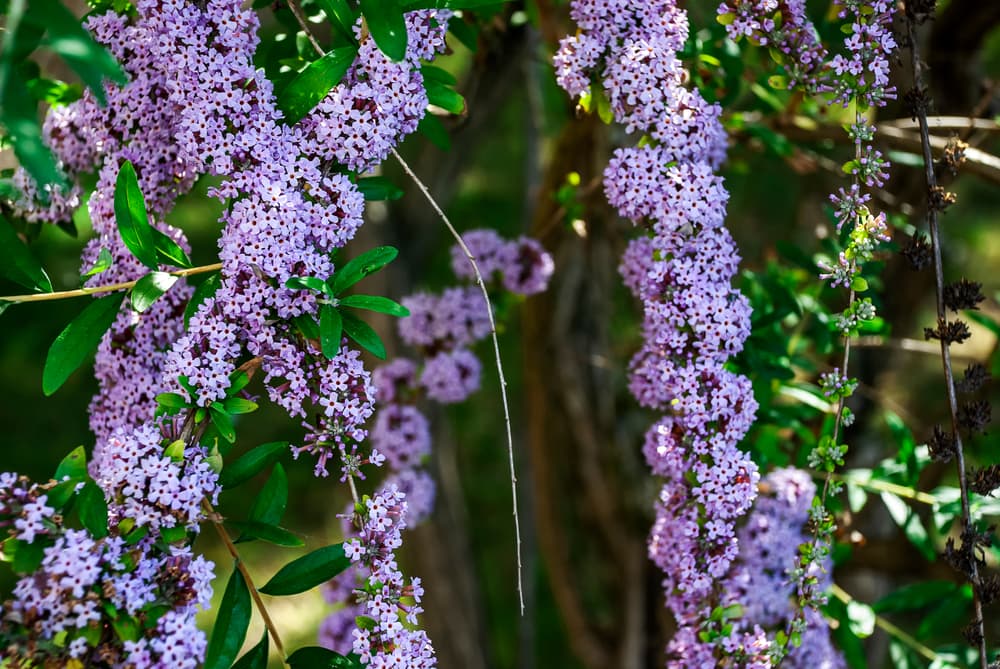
pixel 890 628
pixel 874 485
pixel 109 288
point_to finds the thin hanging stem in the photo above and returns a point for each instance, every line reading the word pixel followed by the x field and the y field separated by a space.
pixel 109 288
pixel 496 351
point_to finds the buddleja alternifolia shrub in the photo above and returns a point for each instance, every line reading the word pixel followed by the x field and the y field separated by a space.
pixel 747 522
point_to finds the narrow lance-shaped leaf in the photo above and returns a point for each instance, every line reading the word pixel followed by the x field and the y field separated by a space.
pixel 269 506
pixel 331 329
pixel 313 83
pixel 18 264
pixel 387 26
pixel 92 62
pixel 278 536
pixel 73 466
pixel 168 251
pixel 308 571
pixel 102 264
pixel 382 305
pixel 132 218
pixel 78 340
pixel 230 625
pixel 93 510
pixel 315 657
pixel 341 16
pixel 379 188
pixel 251 463
pixel 364 335
pixel 223 422
pixel 150 288
pixel 256 657
pixel 358 268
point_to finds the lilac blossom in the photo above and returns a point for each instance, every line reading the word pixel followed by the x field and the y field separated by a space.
pixel 693 320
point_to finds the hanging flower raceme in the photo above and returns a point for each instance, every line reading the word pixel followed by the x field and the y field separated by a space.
pixel 693 320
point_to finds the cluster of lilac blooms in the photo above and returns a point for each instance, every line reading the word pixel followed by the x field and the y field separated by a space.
pixel 694 321
pixel 382 626
pixel 442 328
pixel 782 26
pixel 761 581
pixel 194 105
pixel 85 586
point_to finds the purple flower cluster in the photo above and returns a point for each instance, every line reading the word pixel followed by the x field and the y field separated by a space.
pixel 861 74
pixel 379 608
pixel 443 327
pixel 781 25
pixel 694 320
pixel 762 581
pixel 146 487
pixel 84 587
pixel 195 104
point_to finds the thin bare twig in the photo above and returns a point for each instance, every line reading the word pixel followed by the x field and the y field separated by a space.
pixel 496 351
pixel 110 288
pixel 224 535
pixel 949 377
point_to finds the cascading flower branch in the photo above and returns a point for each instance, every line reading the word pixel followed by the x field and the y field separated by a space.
pixel 694 320
pixel 195 104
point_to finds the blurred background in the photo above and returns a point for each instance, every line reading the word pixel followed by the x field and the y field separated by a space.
pixel 593 600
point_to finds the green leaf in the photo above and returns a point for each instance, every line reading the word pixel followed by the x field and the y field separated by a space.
pixel 27 557
pixel 236 406
pixel 363 334
pixel 382 305
pixel 315 657
pixel 19 112
pixel 269 506
pixel 358 268
pixel 278 536
pixel 379 188
pixel 174 535
pixel 102 264
pixel 168 251
pixel 126 627
pixel 132 218
pixel 308 571
pixel 385 21
pixel 307 326
pixel 313 83
pixel 93 510
pixel 230 625
pixel 306 283
pixel 859 284
pixel 251 463
pixel 204 291
pixel 171 400
pixel 916 596
pixel 433 129
pixel 444 97
pixel 150 288
pixel 450 4
pixel 341 16
pixel 78 340
pixel 911 525
pixel 70 40
pixel 73 466
pixel 256 657
pixel 331 329
pixel 223 422
pixel 18 264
